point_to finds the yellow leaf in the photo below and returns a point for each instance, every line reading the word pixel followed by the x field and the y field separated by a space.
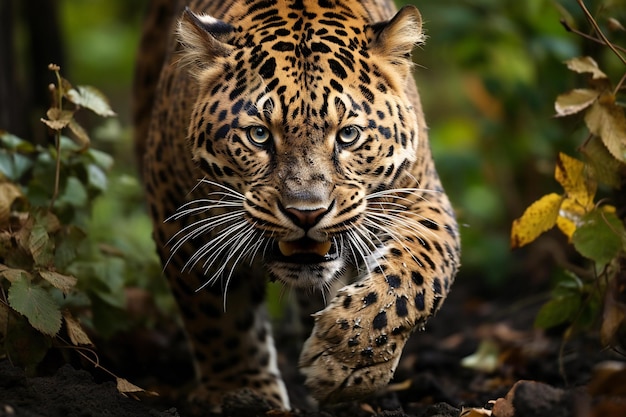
pixel 585 64
pixel 607 120
pixel 575 101
pixel 570 173
pixel 567 226
pixel 571 209
pixel 539 217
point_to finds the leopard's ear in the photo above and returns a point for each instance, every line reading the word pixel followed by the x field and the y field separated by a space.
pixel 203 39
pixel 395 39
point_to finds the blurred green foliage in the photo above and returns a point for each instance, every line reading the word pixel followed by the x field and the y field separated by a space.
pixel 488 74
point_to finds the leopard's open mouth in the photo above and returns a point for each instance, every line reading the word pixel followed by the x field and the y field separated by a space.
pixel 305 251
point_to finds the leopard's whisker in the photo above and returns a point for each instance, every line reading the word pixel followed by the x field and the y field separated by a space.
pixel 218 244
pixel 393 235
pixel 200 227
pixel 227 189
pixel 401 219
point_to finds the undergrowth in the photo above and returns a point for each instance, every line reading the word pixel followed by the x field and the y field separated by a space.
pixel 591 209
pixel 68 247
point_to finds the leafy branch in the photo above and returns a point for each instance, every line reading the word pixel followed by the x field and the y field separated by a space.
pixel 41 239
pixel 594 226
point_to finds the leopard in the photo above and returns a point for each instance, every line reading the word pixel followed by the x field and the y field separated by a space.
pixel 284 141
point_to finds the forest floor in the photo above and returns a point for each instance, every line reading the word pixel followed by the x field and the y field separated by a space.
pixel 525 372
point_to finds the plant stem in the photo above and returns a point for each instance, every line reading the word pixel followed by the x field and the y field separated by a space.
pixel 57 169
pixel 589 37
pixel 57 140
pixel 599 31
pixel 619 84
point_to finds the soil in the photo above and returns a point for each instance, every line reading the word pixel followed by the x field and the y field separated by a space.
pixel 523 372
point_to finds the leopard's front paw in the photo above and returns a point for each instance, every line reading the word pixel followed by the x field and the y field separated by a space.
pixel 351 353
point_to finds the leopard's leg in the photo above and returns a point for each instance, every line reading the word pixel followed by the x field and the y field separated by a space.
pixel 230 338
pixel 358 338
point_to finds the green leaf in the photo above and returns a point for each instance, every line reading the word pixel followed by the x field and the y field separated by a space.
pixel 599 238
pixel 13 142
pixel 23 344
pixel 14 165
pixel 101 159
pixel 92 99
pixel 74 194
pixel 558 311
pixel 40 245
pixel 36 304
pixel 569 284
pixel 67 244
pixel 604 167
pixel 96 177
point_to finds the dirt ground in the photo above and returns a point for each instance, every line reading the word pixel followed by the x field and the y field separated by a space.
pixel 523 372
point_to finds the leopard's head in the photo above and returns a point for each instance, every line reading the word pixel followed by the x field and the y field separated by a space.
pixel 303 129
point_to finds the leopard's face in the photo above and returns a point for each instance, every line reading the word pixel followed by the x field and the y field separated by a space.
pixel 302 134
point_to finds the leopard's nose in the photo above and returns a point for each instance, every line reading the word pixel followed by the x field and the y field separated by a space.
pixel 305 218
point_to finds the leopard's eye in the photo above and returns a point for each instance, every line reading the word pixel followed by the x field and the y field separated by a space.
pixel 259 135
pixel 348 135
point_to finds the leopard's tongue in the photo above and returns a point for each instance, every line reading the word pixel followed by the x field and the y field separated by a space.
pixel 304 246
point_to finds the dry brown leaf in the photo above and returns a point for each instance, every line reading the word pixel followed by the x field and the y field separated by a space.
pixel 63 282
pixel 574 101
pixel 608 378
pixel 615 25
pixel 279 413
pixel 400 386
pixel 474 412
pixel 81 137
pixel 607 120
pixel 9 192
pixel 75 331
pixel 58 119
pixel 614 314
pixel 124 387
pixel 12 274
pixel 585 64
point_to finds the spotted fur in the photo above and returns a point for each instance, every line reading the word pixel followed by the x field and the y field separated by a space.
pixel 285 139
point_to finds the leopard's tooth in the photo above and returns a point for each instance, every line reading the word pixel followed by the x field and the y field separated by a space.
pixel 321 248
pixel 297 246
pixel 286 248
